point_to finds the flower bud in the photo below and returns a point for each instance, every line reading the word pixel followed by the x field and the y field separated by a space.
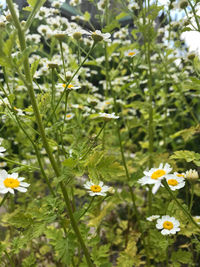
pixel 191 175
pixel 97 38
pixel 77 36
pixel 191 56
pixel 183 4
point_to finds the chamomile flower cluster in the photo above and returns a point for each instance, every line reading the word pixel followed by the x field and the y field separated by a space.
pixel 155 176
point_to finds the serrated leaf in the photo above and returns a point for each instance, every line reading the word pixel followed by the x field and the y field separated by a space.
pixel 87 16
pixel 189 156
pixel 8 44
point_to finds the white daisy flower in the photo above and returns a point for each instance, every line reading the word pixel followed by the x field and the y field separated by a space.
pixel 69 116
pixel 197 219
pixel 131 53
pixel 179 174
pixel 96 189
pixel 175 182
pixel 108 116
pixel 2 149
pixel 98 36
pixel 9 182
pixel 152 218
pixel 155 176
pixel 70 86
pixel 169 225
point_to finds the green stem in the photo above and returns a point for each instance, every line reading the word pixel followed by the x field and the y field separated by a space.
pixel 195 16
pixel 91 201
pixel 56 169
pixel 94 142
pixel 3 200
pixel 15 162
pixel 66 87
pixel 179 204
pixel 192 196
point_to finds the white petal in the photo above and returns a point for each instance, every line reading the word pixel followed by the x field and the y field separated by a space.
pixel 21 179
pixel 156 187
pixel 3 174
pixel 14 175
pixel 24 184
pixel 11 190
pixel 21 189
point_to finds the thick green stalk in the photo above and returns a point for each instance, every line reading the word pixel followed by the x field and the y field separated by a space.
pixel 42 131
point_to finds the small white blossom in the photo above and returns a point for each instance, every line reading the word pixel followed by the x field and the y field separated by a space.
pixel 9 182
pixel 96 189
pixel 169 225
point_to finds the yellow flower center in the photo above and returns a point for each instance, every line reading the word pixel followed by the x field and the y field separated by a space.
pixel 179 175
pixel 69 86
pixel 107 103
pixel 172 182
pixel 131 53
pixel 11 182
pixel 157 174
pixel 168 225
pixel 68 115
pixel 95 188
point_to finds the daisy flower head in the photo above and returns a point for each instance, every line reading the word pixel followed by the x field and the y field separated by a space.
pixel 98 36
pixel 169 225
pixel 179 174
pixel 153 218
pixel 2 150
pixel 96 189
pixel 175 182
pixel 69 116
pixel 155 176
pixel 131 53
pixel 107 116
pixel 9 182
pixel 71 87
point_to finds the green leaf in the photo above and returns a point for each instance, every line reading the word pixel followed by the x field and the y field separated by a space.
pixel 110 27
pixel 182 256
pixel 87 16
pixel 189 156
pixel 8 45
pixel 34 66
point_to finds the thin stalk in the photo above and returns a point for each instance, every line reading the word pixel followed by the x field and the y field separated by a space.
pixel 3 200
pixel 195 16
pixel 66 87
pixel 94 142
pixel 56 169
pixel 192 196
pixel 179 204
pixel 18 163
pixel 91 201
